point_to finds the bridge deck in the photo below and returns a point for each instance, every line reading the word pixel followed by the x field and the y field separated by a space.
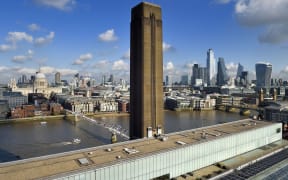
pixel 99 156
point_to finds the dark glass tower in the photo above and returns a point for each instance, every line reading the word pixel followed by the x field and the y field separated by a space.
pixel 146 69
pixel 263 75
pixel 222 76
pixel 240 69
pixel 199 73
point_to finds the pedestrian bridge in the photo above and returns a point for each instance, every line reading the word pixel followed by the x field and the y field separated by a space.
pixel 113 128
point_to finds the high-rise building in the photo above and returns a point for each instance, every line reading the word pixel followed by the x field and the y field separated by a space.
pixel 240 69
pixel 241 77
pixel 57 78
pixel 24 78
pixel 168 80
pixel 244 81
pixel 222 77
pixel 103 80
pixel 146 70
pixel 184 80
pixel 111 78
pixel 211 67
pixel 199 73
pixel 263 75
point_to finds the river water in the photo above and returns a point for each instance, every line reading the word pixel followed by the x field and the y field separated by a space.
pixel 33 139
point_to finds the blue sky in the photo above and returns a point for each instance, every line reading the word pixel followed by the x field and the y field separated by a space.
pixel 93 37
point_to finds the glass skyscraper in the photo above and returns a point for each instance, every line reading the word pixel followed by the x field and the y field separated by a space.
pixel 240 69
pixel 199 73
pixel 263 74
pixel 211 67
pixel 222 76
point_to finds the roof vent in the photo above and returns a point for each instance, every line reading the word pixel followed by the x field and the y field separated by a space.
pixel 180 142
pixel 130 151
pixel 164 138
pixel 83 161
pixel 108 149
pixel 203 135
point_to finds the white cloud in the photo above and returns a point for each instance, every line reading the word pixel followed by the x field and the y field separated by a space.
pixel 44 40
pixel 77 62
pixel 261 12
pixel 30 52
pixel 33 27
pixel 19 59
pixel 127 55
pixel 120 65
pixel 284 73
pixel 267 14
pixel 14 37
pixel 222 1
pixel 58 4
pixel 231 69
pixel 108 36
pixel 272 15
pixel 274 34
pixel 22 70
pixel 101 64
pixel 83 58
pixel 167 47
pixel 189 65
pixel 3 68
pixel 66 72
pixel 5 47
pixel 169 66
pixel 47 69
pixel 22 58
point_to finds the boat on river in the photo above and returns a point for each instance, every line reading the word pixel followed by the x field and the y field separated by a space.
pixel 76 141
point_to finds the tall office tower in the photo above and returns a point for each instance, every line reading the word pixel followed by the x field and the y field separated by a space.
pixel 32 79
pixel 57 78
pixel 240 69
pixel 24 78
pixel 195 73
pixel 103 80
pixel 222 77
pixel 263 75
pixel 184 80
pixel 111 78
pixel 199 75
pixel 244 81
pixel 168 80
pixel 211 67
pixel 146 70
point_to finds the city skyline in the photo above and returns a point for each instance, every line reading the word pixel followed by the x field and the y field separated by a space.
pixel 72 36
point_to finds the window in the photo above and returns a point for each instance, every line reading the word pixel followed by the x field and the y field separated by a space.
pixel 278 130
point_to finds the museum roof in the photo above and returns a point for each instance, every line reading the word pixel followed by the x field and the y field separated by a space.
pixel 96 157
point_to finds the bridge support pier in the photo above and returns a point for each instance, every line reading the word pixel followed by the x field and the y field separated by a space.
pixel 227 108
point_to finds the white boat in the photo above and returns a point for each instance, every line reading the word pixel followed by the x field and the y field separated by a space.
pixel 43 122
pixel 76 141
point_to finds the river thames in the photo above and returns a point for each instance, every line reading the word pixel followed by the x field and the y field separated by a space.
pixel 32 139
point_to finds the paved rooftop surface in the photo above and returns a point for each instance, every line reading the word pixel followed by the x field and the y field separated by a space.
pixel 100 156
